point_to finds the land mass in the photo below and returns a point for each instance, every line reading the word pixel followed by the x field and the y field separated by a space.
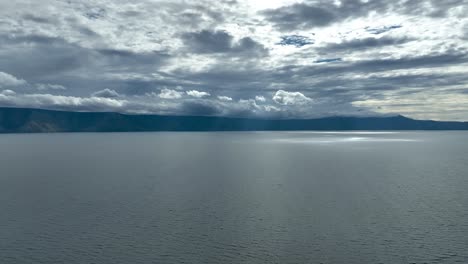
pixel 25 120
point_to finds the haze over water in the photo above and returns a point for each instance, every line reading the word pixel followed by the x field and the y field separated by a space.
pixel 260 197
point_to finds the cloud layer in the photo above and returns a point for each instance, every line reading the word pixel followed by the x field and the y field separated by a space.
pixel 285 58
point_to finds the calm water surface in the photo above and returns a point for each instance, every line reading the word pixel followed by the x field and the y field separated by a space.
pixel 266 197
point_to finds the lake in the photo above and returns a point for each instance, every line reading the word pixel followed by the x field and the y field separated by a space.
pixel 234 197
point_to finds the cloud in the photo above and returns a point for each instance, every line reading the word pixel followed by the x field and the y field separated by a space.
pixel 363 44
pixel 38 19
pixel 202 108
pixel 59 102
pixel 345 49
pixel 259 98
pixel 48 86
pixel 373 66
pixel 322 13
pixel 95 13
pixel 10 80
pixel 197 94
pixel 207 41
pixel 328 60
pixel 300 16
pixel 381 30
pixel 8 92
pixel 250 107
pixel 225 98
pixel 221 42
pixel 431 8
pixel 43 59
pixel 464 32
pixel 439 106
pixel 106 93
pixel 169 94
pixel 290 98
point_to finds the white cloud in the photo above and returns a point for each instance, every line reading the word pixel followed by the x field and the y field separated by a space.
pixel 225 98
pixel 61 102
pixel 169 94
pixel 106 93
pixel 197 94
pixel 271 108
pixel 291 98
pixel 259 98
pixel 261 110
pixel 8 92
pixel 10 80
pixel 137 105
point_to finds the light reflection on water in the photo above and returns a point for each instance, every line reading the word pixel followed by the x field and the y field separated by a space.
pixel 344 140
pixel 234 197
pixel 342 137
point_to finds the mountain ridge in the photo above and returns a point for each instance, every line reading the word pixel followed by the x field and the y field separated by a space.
pixel 29 120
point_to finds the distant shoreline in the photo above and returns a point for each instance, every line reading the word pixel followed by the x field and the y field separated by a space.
pixel 27 120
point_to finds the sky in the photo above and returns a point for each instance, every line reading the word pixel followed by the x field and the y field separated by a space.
pixel 242 58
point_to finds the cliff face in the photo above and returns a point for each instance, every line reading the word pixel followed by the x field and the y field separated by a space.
pixel 20 120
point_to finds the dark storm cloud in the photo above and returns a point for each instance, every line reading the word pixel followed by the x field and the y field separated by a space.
pixel 207 41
